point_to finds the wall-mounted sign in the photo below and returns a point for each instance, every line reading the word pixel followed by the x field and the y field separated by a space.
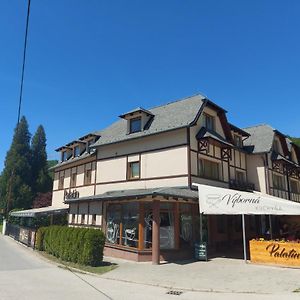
pixel 71 194
pixel 273 252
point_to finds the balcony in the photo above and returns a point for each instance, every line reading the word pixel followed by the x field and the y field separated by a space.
pixel 241 185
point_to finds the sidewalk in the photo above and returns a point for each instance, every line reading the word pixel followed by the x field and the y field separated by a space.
pixel 218 275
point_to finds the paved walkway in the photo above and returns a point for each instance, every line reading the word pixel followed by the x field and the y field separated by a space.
pixel 218 275
pixel 24 274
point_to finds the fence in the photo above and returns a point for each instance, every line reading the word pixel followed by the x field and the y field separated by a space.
pixel 21 234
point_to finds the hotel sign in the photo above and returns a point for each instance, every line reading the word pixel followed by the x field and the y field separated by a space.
pixel 277 253
pixel 71 195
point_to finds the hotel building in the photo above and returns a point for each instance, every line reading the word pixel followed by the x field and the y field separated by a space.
pixel 134 179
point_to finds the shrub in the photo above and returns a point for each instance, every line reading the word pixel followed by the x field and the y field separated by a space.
pixel 39 238
pixel 79 245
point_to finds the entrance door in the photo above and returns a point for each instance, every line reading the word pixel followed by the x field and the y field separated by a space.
pixel 167 233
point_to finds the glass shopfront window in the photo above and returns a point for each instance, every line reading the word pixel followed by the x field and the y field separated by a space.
pixel 167 238
pixel 123 224
pixel 113 223
pixel 130 224
pixel 186 224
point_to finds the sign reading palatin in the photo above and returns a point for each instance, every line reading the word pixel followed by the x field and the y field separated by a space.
pixel 274 252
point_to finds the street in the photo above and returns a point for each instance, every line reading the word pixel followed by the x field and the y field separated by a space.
pixel 25 275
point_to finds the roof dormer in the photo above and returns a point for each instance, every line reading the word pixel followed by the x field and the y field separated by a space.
pixel 239 135
pixel 78 147
pixel 65 152
pixel 137 119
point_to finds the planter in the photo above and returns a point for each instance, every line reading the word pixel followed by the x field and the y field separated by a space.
pixel 275 253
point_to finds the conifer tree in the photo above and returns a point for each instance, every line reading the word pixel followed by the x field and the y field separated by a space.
pixel 41 181
pixel 15 185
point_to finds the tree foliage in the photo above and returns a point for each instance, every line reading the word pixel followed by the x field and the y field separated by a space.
pixel 295 140
pixel 25 174
pixel 15 186
pixel 42 182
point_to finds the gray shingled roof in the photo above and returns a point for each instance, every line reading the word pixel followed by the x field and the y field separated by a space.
pixel 177 192
pixel 138 109
pixel 173 115
pixel 74 159
pixel 206 133
pixel 261 138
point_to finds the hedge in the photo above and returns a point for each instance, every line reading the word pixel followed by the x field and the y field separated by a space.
pixel 79 245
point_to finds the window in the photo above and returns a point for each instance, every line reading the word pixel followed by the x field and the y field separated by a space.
pixel 88 177
pixel 73 219
pixel 238 140
pixel 294 186
pixel 208 169
pixel 278 182
pixel 83 219
pixel 94 218
pixel 209 122
pixel 90 142
pixel 134 170
pixel 73 180
pixel 61 182
pixel 64 156
pixel 276 146
pixel 135 125
pixel 76 151
pixel 240 176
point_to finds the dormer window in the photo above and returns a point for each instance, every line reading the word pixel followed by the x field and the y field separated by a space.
pixel 76 151
pixel 135 125
pixel 276 146
pixel 137 119
pixel 64 156
pixel 209 122
pixel 238 141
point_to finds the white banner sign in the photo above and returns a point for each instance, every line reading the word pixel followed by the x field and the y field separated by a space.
pixel 221 201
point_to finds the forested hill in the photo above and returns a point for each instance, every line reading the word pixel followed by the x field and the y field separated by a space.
pixel 295 140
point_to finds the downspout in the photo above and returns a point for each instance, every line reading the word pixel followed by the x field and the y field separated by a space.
pixel 288 184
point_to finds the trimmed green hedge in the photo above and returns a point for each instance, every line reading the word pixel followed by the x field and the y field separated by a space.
pixel 78 245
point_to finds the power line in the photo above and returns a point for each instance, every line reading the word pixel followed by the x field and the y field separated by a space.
pixel 24 60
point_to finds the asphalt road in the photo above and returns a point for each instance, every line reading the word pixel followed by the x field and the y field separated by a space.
pixel 25 275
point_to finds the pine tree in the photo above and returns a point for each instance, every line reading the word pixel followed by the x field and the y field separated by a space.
pixel 15 185
pixel 41 181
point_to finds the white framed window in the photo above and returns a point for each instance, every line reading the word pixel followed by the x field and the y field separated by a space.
pixel 278 182
pixel 276 146
pixel 73 180
pixel 238 140
pixel 88 177
pixel 209 121
pixel 134 170
pixel 294 187
pixel 209 169
pixel 135 125
pixel 61 181
pixel 76 151
pixel 240 176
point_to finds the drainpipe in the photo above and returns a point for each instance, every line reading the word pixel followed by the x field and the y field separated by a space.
pixel 288 184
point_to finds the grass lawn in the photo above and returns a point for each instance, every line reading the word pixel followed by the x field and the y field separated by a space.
pixel 103 268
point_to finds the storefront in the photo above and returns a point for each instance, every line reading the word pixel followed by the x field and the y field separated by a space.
pixel 269 248
pixel 145 224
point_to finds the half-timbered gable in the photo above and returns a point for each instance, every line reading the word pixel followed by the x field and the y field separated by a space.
pixel 273 162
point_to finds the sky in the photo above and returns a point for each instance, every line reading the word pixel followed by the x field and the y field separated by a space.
pixel 88 61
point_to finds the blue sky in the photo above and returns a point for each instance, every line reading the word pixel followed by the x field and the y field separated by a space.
pixel 90 61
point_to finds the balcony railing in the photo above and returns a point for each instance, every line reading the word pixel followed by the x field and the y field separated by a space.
pixel 285 194
pixel 241 185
